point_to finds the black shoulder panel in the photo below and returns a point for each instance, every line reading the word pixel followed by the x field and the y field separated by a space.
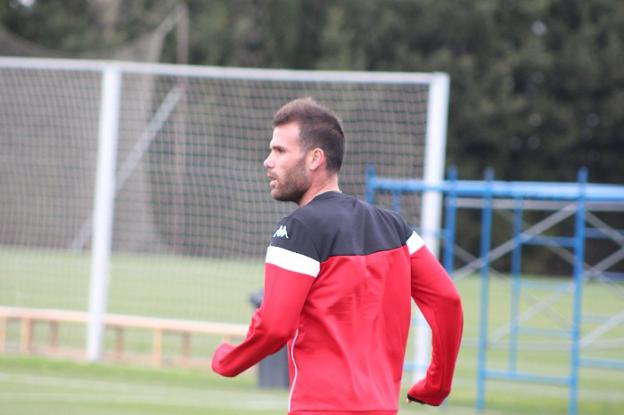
pixel 291 233
pixel 334 224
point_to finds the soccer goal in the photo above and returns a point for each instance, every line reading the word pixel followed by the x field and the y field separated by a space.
pixel 139 188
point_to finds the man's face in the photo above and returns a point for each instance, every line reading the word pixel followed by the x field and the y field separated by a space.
pixel 286 164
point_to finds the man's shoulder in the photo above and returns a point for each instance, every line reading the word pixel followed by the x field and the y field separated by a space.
pixel 292 234
pixel 322 209
pixel 312 224
pixel 336 223
pixel 336 210
pixel 301 216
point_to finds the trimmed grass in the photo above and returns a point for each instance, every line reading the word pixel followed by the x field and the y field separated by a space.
pixel 218 290
pixel 31 386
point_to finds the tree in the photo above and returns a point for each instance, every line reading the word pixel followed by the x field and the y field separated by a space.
pixel 76 26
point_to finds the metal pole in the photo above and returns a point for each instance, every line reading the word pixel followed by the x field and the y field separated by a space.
pixel 431 210
pixel 435 149
pixel 396 201
pixel 450 216
pixel 104 206
pixel 579 272
pixel 486 231
pixel 369 192
pixel 516 268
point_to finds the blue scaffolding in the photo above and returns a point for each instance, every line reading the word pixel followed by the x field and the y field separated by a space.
pixel 567 200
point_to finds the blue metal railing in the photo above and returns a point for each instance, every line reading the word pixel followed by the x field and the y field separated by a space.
pixel 488 190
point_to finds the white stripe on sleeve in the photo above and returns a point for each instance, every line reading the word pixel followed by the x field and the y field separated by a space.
pixel 414 243
pixel 292 261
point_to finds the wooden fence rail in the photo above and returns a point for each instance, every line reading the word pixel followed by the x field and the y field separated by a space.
pixel 27 318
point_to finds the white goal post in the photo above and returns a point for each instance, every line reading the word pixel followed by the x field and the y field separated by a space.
pixel 156 170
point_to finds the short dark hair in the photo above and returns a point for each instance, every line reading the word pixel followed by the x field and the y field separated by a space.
pixel 318 127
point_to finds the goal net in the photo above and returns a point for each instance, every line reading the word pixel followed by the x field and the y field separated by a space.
pixel 192 214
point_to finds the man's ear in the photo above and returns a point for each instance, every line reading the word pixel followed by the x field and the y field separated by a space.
pixel 316 158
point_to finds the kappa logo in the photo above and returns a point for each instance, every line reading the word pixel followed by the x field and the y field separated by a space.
pixel 281 232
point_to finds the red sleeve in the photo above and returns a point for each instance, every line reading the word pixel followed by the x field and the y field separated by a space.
pixel 438 299
pixel 272 325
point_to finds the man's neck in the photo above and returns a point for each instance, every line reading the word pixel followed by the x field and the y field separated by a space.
pixel 330 185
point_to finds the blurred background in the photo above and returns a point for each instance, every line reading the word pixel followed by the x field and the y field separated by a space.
pixel 537 86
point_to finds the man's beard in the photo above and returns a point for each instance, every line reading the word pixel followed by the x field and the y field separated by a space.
pixel 291 195
pixel 297 185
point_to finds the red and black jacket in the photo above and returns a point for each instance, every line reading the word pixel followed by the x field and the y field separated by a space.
pixel 339 278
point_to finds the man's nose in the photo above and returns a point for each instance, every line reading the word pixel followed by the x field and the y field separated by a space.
pixel 267 162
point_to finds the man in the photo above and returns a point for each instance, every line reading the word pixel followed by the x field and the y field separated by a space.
pixel 339 275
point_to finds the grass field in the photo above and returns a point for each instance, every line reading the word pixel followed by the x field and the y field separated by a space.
pixel 218 290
